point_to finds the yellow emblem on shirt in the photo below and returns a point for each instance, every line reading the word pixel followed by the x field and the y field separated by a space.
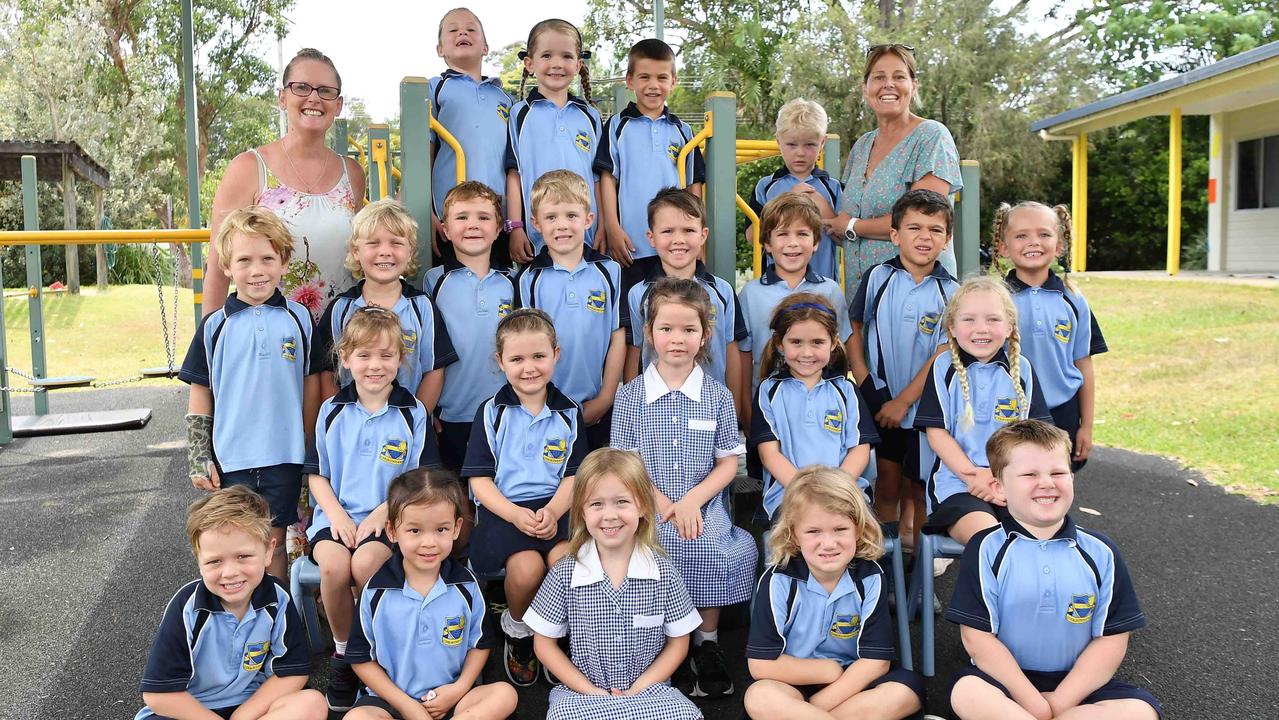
pixel 1007 410
pixel 410 339
pixel 555 451
pixel 596 301
pixel 834 421
pixel 1061 330
pixel 928 323
pixel 504 111
pixel 453 627
pixel 255 655
pixel 394 451
pixel 503 307
pixel 1080 609
pixel 844 627
pixel 583 141
pixel 289 348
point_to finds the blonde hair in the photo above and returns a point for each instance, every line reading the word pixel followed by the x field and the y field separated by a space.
pixel 834 491
pixel 390 215
pixel 367 326
pixel 688 293
pixel 795 309
pixel 628 468
pixel 424 486
pixel 439 33
pixel 999 447
pixel 253 220
pixel 563 186
pixel 786 209
pixel 473 190
pixel 568 28
pixel 986 284
pixel 235 507
pixel 525 320
pixel 1064 232
pixel 802 117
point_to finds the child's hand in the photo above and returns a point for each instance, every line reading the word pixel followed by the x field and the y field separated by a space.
pixel 620 247
pixel 594 409
pixel 374 524
pixel 979 483
pixel 1083 443
pixel 439 233
pixel 1035 704
pixel 892 413
pixel 546 523
pixel 344 530
pixel 836 226
pixel 210 483
pixel 686 517
pixel 823 207
pixel 663 503
pixel 526 522
pixel 439 701
pixel 521 247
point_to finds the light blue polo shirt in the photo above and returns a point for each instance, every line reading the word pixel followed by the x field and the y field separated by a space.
pixel 727 323
pixel 204 650
pixel 760 298
pixel 471 307
pixel 542 137
pixel 782 181
pixel 794 615
pixel 1057 328
pixel 641 153
pixel 1045 600
pixel 475 113
pixel 421 642
pixel 527 456
pixel 995 404
pixel 902 321
pixel 425 334
pixel 253 358
pixel 584 305
pixel 360 453
pixel 813 427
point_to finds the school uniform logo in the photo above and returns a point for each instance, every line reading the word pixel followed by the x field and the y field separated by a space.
pixel 394 451
pixel 583 142
pixel 843 626
pixel 834 421
pixel 1080 609
pixel 289 348
pixel 503 307
pixel 928 323
pixel 255 655
pixel 410 339
pixel 672 151
pixel 596 301
pixel 1061 330
pixel 453 627
pixel 1007 410
pixel 504 111
pixel 555 451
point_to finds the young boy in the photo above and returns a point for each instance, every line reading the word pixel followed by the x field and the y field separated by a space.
pixel 801 133
pixel 578 288
pixel 1045 607
pixel 249 357
pixel 231 642
pixel 638 152
pixel 896 312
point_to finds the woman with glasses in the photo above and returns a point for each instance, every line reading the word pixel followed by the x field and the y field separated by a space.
pixel 300 179
pixel 904 152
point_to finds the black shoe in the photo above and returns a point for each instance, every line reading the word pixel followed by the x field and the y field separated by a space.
pixel 712 672
pixel 343 685
pixel 684 679
pixel 521 663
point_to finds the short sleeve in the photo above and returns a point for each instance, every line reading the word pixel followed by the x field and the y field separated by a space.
pixel 428 451
pixel 322 342
pixel 580 444
pixel 603 162
pixel 836 297
pixel 195 366
pixel 740 332
pixel 699 167
pixel 762 416
pixel 291 649
pixel 876 639
pixel 624 434
pixel 858 310
pixel 522 288
pixel 613 273
pixel 862 432
pixel 758 201
pixel 1097 344
pixel 1124 613
pixel 726 440
pixel 679 616
pixel 482 634
pixel 765 641
pixel 442 351
pixel 481 461
pixel 323 465
pixel 359 649
pixel 968 603
pixel 1038 407
pixel 548 613
pixel 743 303
pixel 936 153
pixel 510 160
pixel 931 411
pixel 633 315
pixel 168 667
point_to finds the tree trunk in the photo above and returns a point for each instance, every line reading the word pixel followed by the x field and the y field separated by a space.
pixel 69 223
pixel 100 250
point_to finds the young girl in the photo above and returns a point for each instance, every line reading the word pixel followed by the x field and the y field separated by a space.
pixel 821 642
pixel 684 427
pixel 526 444
pixel 551 129
pixel 806 411
pixel 372 430
pixel 1059 331
pixel 976 387
pixel 618 598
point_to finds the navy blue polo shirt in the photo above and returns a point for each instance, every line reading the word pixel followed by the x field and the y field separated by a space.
pixel 202 649
pixel 542 137
pixel 642 154
pixel 253 359
pixel 471 306
pixel 425 334
pixel 360 453
pixel 584 304
pixel 723 306
pixel 475 113
pixel 812 427
pixel 1044 599
pixel 421 642
pixel 1057 328
pixel 793 614
pixel 527 456
pixel 902 320
pixel 782 181
pixel 761 296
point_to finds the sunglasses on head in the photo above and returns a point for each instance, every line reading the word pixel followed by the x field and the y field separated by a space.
pixel 303 89
pixel 889 46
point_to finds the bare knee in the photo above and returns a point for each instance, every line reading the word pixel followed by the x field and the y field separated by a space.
pixel 763 696
pixel 966 697
pixel 525 569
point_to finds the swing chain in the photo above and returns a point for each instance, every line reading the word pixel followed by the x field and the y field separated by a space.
pixel 170 337
pixel 29 378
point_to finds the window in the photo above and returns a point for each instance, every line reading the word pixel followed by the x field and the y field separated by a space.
pixel 1257 182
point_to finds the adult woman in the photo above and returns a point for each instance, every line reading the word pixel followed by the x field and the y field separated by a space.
pixel 904 152
pixel 309 186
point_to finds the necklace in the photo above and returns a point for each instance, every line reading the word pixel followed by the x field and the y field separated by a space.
pixel 307 187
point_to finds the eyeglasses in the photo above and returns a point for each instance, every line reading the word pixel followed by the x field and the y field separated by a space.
pixel 889 46
pixel 302 89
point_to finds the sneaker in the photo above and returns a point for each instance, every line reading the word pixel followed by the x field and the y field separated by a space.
pixel 684 679
pixel 712 672
pixel 343 685
pixel 940 565
pixel 521 663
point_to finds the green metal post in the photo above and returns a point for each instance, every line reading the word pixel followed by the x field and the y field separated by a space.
pixel 415 163
pixel 721 184
pixel 379 148
pixel 339 144
pixel 968 216
pixel 621 96
pixel 193 159
pixel 659 19
pixel 831 161
pixel 35 301
pixel 6 421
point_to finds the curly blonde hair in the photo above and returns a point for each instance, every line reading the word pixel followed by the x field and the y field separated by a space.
pixel 390 215
pixel 835 491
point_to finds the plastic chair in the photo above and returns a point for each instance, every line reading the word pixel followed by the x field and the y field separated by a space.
pixel 304 578
pixel 921 591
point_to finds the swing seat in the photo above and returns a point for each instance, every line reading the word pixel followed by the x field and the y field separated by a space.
pixel 158 372
pixel 62 383
pixel 80 422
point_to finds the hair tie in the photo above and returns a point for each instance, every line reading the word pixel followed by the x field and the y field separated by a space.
pixel 523 54
pixel 585 55
pixel 815 306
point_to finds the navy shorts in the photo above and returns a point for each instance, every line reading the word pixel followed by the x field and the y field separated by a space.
pixel 494 540
pixel 279 485
pixel 1048 682
pixel 327 534
pixel 1066 417
pixel 895 675
pixel 955 507
pixel 454 437
pixel 224 713
pixel 597 435
pixel 377 702
pixel 899 445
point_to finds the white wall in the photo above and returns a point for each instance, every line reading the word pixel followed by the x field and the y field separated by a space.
pixel 1250 237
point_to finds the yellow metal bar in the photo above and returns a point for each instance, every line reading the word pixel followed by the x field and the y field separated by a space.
pixel 197 273
pixel 378 154
pixel 395 172
pixel 447 137
pixel 699 138
pixel 758 259
pixel 363 160
pixel 1174 192
pixel 1080 246
pixel 93 237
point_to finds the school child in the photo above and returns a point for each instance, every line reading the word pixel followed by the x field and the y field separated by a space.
pixel 620 600
pixel 1060 333
pixel 578 288
pixel 638 152
pixel 682 424
pixel 801 135
pixel 423 630
pixel 370 432
pixel 472 295
pixel 249 655
pixel 382 252
pixel 1049 654
pixel 980 384
pixel 821 642
pixel 806 411
pixel 895 314
pixel 246 358
pixel 475 109
pixel 551 129
pixel 526 444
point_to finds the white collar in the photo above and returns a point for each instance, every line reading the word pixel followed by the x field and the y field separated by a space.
pixel 588 570
pixel 655 387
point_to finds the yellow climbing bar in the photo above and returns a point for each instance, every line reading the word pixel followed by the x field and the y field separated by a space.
pixel 757 259
pixel 698 139
pixel 452 142
pixel 94 237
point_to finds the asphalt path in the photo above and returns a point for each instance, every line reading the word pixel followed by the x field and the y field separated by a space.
pixel 92 548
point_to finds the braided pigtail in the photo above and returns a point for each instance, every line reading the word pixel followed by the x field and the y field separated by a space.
pixel 1066 234
pixel 966 420
pixel 524 76
pixel 997 237
pixel 1014 369
pixel 584 73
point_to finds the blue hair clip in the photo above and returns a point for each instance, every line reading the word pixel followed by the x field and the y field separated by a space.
pixel 815 306
pixel 585 55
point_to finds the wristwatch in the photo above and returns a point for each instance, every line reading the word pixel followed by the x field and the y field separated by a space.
pixel 513 225
pixel 849 232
